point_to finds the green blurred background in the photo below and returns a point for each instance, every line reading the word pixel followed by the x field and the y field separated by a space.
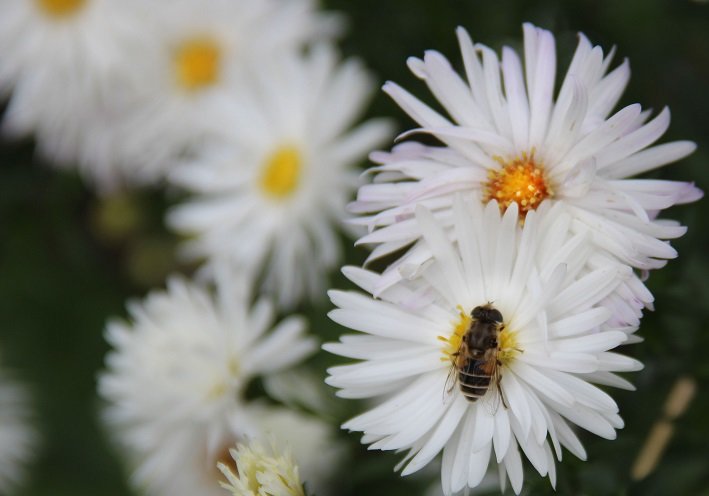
pixel 69 259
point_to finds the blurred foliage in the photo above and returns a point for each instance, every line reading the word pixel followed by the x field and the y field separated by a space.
pixel 69 259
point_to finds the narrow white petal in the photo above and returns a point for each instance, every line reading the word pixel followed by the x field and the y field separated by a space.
pixel 439 437
pixel 518 106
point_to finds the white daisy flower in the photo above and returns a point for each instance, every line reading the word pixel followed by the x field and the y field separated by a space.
pixel 548 341
pixel 261 472
pixel 510 140
pixel 270 194
pixel 18 438
pixel 59 59
pixel 195 56
pixel 179 369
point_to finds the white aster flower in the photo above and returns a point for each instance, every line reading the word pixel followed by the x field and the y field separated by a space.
pixel 194 57
pixel 509 139
pixel 18 438
pixel 261 472
pixel 553 345
pixel 271 193
pixel 178 370
pixel 60 59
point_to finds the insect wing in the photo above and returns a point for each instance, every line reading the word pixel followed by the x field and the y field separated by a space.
pixel 457 359
pixel 451 380
pixel 494 399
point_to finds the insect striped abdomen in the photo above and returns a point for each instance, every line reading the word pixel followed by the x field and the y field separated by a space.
pixel 474 378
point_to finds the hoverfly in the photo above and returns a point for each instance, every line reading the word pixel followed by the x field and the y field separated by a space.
pixel 475 365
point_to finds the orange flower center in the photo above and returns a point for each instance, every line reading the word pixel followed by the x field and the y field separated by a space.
pixel 60 8
pixel 521 181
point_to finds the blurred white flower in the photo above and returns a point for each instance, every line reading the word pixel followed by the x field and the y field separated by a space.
pixel 553 342
pixel 184 462
pixel 271 194
pixel 176 377
pixel 509 139
pixel 261 472
pixel 194 57
pixel 60 61
pixel 18 437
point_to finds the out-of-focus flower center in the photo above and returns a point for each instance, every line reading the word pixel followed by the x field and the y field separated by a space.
pixel 520 180
pixel 281 172
pixel 60 8
pixel 225 384
pixel 197 63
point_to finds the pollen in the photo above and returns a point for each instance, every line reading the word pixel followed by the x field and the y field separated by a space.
pixel 521 181
pixel 508 346
pixel 281 173
pixel 460 327
pixel 60 8
pixel 197 63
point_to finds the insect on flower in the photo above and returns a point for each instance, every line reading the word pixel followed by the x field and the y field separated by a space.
pixel 476 364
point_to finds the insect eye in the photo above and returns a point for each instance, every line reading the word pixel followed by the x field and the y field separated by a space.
pixel 491 342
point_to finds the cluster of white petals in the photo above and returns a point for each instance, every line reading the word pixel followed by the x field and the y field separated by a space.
pixel 176 378
pixel 244 104
pixel 192 62
pixel 527 205
pixel 526 210
pixel 270 195
pixel 83 44
pixel 558 343
pixel 506 115
pixel 141 82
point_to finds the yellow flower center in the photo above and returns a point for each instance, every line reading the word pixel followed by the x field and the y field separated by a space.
pixel 520 180
pixel 281 172
pixel 197 63
pixel 60 8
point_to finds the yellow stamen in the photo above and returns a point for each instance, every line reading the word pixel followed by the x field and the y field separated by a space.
pixel 197 63
pixel 508 347
pixel 520 180
pixel 60 8
pixel 281 172
pixel 460 327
